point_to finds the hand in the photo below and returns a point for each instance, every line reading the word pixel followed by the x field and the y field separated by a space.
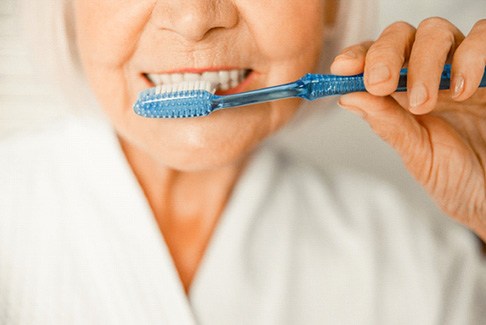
pixel 441 136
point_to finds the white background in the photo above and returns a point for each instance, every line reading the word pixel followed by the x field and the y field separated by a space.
pixel 335 138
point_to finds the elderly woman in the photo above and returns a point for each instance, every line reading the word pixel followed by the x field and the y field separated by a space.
pixel 125 220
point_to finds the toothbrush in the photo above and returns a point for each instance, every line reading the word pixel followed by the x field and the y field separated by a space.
pixel 197 99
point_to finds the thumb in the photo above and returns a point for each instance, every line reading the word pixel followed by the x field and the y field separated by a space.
pixel 393 124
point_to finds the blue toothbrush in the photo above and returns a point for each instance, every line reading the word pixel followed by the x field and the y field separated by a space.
pixel 197 99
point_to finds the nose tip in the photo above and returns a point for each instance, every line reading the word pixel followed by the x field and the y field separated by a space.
pixel 193 26
pixel 194 19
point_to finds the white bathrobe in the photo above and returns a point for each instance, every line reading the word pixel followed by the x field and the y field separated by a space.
pixel 79 245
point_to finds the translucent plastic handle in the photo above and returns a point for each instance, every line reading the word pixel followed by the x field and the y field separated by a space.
pixel 445 79
pixel 318 85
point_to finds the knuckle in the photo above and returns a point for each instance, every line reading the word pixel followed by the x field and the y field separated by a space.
pixel 363 47
pixel 480 25
pixel 399 25
pixel 468 54
pixel 442 30
pixel 385 51
pixel 434 23
pixel 359 48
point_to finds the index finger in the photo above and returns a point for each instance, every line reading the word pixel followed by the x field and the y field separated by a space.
pixel 386 57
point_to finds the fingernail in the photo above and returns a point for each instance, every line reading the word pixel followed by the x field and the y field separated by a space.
pixel 458 86
pixel 378 74
pixel 353 109
pixel 418 96
pixel 348 55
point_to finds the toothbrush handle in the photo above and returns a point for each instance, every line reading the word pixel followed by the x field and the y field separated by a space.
pixel 318 85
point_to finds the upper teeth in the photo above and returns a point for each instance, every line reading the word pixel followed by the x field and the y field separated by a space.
pixel 224 79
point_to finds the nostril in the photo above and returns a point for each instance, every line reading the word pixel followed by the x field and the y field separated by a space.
pixel 194 19
pixel 193 26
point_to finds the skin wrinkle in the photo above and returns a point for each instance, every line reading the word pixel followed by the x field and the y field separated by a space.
pixel 449 197
pixel 216 10
pixel 482 198
pixel 427 139
pixel 200 55
pixel 448 35
pixel 452 39
pixel 472 133
pixel 470 139
pixel 453 130
pixel 406 31
pixel 181 161
pixel 187 168
pixel 471 210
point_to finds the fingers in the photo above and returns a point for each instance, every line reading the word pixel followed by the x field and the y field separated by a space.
pixel 425 50
pixel 381 61
pixel 351 60
pixel 469 62
pixel 436 39
pixel 386 58
pixel 391 122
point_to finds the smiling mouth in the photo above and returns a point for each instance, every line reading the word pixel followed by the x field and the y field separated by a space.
pixel 224 81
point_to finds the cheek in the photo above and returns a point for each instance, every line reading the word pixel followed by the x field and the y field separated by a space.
pixel 107 31
pixel 291 32
pixel 108 34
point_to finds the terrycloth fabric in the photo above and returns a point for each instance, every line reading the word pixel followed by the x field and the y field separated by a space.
pixel 79 245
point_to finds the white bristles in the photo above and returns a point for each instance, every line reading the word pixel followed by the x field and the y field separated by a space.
pixel 186 86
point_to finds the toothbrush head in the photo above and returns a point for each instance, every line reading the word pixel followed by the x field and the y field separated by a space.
pixel 182 100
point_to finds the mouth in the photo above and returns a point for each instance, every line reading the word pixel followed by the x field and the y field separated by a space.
pixel 225 81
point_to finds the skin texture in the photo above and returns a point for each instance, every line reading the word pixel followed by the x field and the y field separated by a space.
pixel 441 136
pixel 187 168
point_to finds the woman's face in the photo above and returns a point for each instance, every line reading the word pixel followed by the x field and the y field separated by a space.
pixel 130 45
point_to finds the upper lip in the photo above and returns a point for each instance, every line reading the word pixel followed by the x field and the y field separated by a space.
pixel 199 70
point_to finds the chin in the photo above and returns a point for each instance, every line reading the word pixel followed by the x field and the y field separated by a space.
pixel 223 139
pixel 206 155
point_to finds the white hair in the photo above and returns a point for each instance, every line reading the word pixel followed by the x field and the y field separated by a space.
pixel 49 29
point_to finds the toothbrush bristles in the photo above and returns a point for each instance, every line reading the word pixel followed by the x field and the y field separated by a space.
pixel 185 99
pixel 185 86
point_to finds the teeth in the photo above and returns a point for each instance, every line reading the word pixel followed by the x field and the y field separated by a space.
pixel 224 79
pixel 185 86
pixel 164 79
pixel 192 77
pixel 224 86
pixel 234 75
pixel 177 78
pixel 211 77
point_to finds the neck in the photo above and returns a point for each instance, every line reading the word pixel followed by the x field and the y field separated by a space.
pixel 186 205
